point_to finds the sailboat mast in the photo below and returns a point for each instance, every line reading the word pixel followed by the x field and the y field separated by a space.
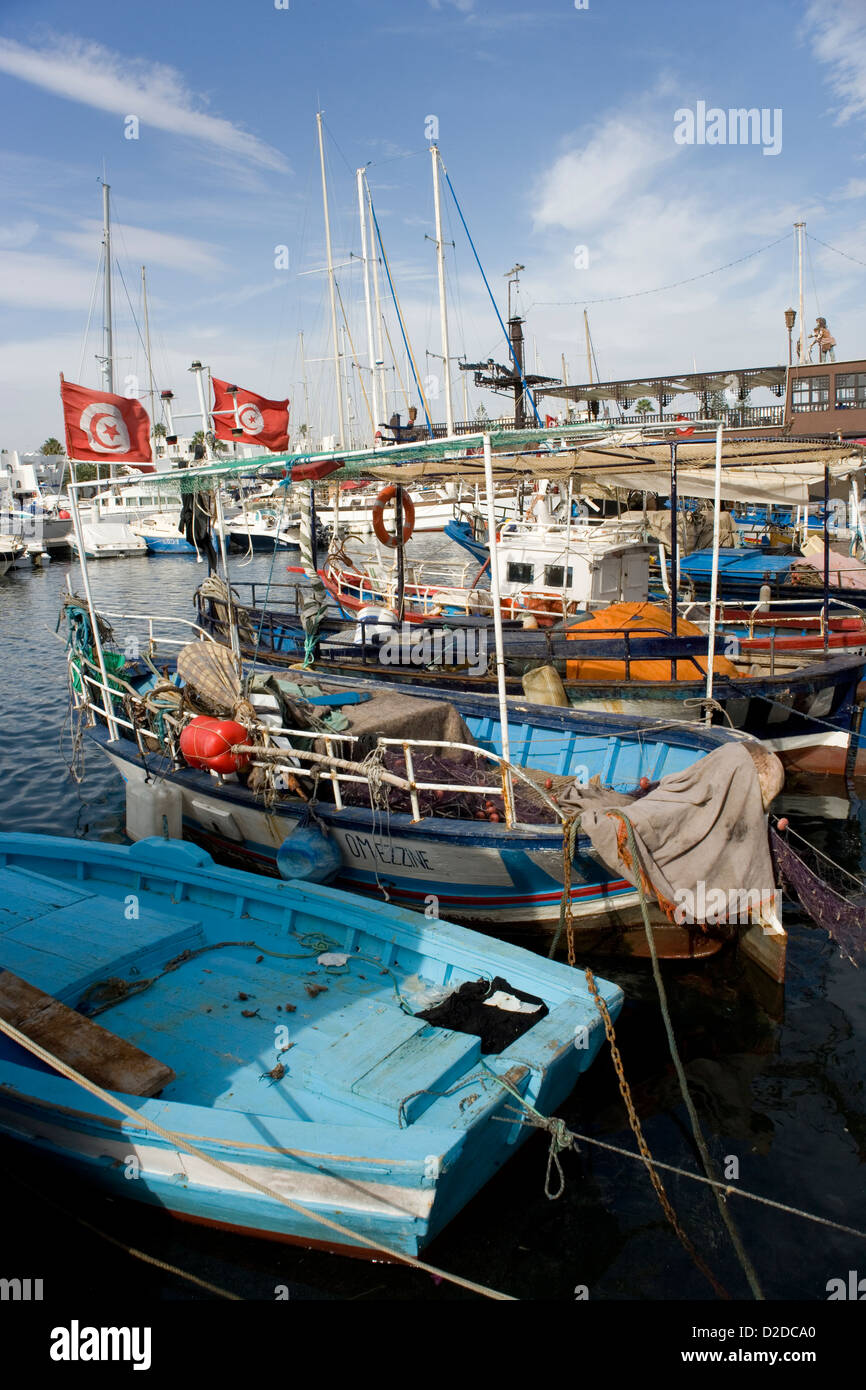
pixel 151 391
pixel 306 393
pixel 337 373
pixel 443 306
pixel 802 359
pixel 107 339
pixel 374 383
pixel 588 345
pixel 380 345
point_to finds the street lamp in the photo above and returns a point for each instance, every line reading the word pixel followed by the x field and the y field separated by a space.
pixel 790 320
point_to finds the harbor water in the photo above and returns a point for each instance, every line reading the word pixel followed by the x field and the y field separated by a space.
pixel 778 1076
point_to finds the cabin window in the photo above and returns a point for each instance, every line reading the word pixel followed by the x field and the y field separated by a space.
pixel 519 573
pixel 850 390
pixel 554 576
pixel 810 393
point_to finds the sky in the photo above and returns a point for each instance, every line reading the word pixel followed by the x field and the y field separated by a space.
pixel 564 135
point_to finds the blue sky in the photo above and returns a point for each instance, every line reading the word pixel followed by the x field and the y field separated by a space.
pixel 556 126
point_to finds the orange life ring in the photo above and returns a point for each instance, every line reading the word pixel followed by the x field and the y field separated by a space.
pixel 385 496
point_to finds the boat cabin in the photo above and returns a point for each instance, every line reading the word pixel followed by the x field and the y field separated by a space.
pixel 578 564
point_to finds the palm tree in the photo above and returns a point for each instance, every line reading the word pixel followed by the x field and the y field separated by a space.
pixel 217 445
pixel 52 446
pixel 643 407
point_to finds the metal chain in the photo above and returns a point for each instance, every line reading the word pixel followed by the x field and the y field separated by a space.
pixel 658 1185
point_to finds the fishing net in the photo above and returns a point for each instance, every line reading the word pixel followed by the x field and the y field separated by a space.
pixel 467 769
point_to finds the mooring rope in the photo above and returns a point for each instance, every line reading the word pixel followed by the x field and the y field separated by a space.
pixel 706 1160
pixel 558 1138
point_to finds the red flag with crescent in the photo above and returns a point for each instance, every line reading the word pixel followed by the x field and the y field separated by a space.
pixel 102 428
pixel 259 421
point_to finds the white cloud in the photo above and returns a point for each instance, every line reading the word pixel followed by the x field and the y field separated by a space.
pixel 44 281
pixel 155 93
pixel 147 247
pixel 837 29
pixel 17 234
pixel 591 183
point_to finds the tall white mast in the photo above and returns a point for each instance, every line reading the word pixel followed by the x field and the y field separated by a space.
pixel 380 345
pixel 337 373
pixel 443 307
pixel 362 213
pixel 801 228
pixel 107 338
pixel 151 391
pixel 306 394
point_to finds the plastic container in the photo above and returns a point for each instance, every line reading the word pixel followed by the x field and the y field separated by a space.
pixel 154 808
pixel 544 686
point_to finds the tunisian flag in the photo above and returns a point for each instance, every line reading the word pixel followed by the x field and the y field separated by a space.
pixel 103 428
pixel 263 422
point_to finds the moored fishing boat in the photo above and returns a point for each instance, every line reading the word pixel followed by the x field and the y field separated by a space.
pixel 417 788
pixel 340 1087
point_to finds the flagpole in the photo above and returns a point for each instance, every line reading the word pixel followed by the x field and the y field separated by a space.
pixel 94 621
pixel 341 432
pixel 107 335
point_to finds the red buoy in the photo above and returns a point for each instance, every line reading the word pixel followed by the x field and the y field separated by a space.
pixel 207 742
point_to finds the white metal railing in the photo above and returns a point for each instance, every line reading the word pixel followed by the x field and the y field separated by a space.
pixel 730 610
pixel 328 766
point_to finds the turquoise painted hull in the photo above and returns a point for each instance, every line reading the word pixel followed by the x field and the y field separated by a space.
pixel 380 1122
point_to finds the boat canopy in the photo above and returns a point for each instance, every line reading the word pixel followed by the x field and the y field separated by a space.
pixel 600 461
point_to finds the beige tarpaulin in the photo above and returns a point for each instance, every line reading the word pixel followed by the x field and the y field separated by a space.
pixel 783 471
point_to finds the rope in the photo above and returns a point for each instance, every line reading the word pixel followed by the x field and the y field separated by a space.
pixel 640 875
pixel 558 1140
pixel 569 835
pixel 170 1137
pixel 726 1188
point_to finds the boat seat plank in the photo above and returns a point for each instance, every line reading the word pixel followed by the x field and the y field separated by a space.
pixel 101 1056
pixel 392 1065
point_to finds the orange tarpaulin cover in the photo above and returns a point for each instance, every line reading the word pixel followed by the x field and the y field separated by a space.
pixel 638 618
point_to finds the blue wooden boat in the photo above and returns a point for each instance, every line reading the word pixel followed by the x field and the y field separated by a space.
pixel 274 1026
pixel 461 533
pixel 792 699
pixel 476 868
pixel 743 572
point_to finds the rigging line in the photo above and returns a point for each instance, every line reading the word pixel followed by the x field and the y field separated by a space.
pixel 131 310
pixel 394 360
pixel 809 237
pixel 637 294
pixel 490 292
pixel 400 319
pixel 355 358
pixel 90 312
